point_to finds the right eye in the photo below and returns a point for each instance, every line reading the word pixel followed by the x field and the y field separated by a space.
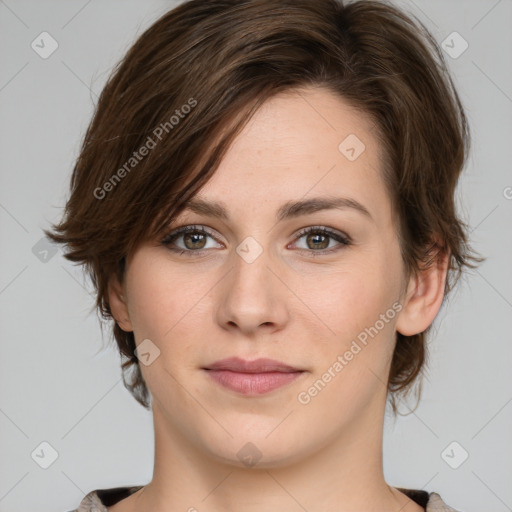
pixel 193 238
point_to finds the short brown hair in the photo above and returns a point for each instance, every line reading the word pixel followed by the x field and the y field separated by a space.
pixel 201 71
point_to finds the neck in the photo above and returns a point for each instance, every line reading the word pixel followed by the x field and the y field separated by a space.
pixel 345 475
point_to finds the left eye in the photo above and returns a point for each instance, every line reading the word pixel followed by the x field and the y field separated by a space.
pixel 318 237
pixel 195 240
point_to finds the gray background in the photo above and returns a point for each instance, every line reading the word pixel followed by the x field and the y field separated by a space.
pixel 61 383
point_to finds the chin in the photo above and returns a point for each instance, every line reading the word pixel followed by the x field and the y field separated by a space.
pixel 258 450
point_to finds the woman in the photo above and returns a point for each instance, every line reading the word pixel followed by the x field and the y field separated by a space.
pixel 264 201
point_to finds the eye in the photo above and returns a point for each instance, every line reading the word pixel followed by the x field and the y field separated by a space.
pixel 317 237
pixel 194 239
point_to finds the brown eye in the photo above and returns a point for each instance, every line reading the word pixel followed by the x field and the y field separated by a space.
pixel 318 239
pixel 193 240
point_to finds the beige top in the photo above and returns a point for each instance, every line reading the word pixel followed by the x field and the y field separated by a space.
pixel 100 499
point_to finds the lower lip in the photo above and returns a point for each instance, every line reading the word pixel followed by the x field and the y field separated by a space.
pixel 252 383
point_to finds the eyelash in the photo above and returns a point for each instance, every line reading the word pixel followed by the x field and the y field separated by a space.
pixel 342 239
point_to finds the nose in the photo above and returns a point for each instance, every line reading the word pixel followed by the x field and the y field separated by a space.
pixel 252 298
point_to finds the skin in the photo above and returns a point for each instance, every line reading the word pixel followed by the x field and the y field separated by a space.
pixel 288 305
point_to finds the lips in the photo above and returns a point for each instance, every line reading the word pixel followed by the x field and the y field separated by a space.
pixel 263 365
pixel 252 377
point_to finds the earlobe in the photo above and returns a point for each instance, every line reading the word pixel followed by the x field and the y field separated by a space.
pixel 424 296
pixel 118 306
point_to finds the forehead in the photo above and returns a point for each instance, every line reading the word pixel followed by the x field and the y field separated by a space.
pixel 304 119
pixel 299 144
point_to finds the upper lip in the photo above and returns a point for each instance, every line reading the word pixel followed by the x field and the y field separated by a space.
pixel 262 365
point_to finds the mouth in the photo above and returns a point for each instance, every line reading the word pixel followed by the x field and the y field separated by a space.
pixel 252 377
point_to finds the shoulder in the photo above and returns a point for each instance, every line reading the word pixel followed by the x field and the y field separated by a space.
pixel 430 501
pixel 436 504
pixel 91 503
pixel 99 499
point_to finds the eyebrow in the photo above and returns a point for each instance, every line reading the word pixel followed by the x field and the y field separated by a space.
pixel 290 209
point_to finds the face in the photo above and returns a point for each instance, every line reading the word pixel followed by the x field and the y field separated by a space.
pixel 316 288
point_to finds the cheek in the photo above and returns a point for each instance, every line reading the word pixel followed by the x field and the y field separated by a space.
pixel 168 308
pixel 352 364
pixel 163 308
pixel 359 306
pixel 161 300
pixel 348 300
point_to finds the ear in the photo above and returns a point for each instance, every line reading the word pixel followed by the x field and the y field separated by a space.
pixel 118 306
pixel 424 295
